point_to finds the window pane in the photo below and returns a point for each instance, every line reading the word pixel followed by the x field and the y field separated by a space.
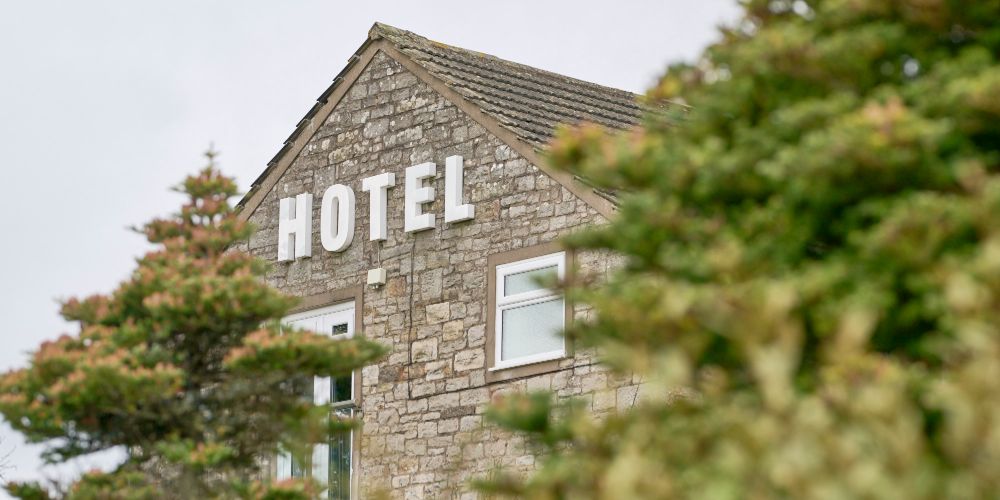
pixel 533 329
pixel 340 462
pixel 528 280
pixel 333 389
pixel 284 465
pixel 288 466
pixel 340 389
pixel 339 329
pixel 297 469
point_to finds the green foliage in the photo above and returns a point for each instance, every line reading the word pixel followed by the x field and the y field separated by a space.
pixel 811 278
pixel 183 366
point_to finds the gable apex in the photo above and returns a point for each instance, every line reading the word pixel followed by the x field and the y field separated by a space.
pixel 519 104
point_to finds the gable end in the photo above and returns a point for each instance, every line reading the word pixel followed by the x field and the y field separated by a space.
pixel 616 111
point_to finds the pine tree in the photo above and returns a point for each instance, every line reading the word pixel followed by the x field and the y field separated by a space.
pixel 811 267
pixel 184 366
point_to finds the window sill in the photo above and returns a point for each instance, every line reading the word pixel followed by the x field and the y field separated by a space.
pixel 529 360
pixel 523 369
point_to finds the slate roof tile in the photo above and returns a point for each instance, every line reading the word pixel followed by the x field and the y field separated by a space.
pixel 528 101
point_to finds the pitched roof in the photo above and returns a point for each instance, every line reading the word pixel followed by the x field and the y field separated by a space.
pixel 528 102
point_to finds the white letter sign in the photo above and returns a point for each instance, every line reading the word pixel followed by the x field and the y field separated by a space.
pixel 378 188
pixel 454 210
pixel 416 194
pixel 336 218
pixel 295 227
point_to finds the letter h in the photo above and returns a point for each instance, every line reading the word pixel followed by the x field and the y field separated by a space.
pixel 295 227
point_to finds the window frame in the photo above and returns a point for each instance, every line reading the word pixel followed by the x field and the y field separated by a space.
pixel 350 305
pixel 343 306
pixel 513 262
pixel 328 302
pixel 506 302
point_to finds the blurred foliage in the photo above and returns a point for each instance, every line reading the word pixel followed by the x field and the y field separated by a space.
pixel 810 232
pixel 183 366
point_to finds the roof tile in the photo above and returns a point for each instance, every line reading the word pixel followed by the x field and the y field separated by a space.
pixel 528 101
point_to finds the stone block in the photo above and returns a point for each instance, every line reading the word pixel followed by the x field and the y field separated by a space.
pixel 469 360
pixel 425 350
pixel 438 313
pixel 453 330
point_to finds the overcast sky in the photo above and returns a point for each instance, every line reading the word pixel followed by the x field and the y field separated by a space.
pixel 105 104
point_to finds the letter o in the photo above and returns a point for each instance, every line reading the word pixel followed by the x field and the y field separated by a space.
pixel 337 218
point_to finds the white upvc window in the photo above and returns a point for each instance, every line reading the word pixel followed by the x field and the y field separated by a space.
pixel 530 317
pixel 331 463
pixel 338 322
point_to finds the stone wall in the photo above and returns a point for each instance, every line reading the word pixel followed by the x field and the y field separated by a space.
pixel 422 405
